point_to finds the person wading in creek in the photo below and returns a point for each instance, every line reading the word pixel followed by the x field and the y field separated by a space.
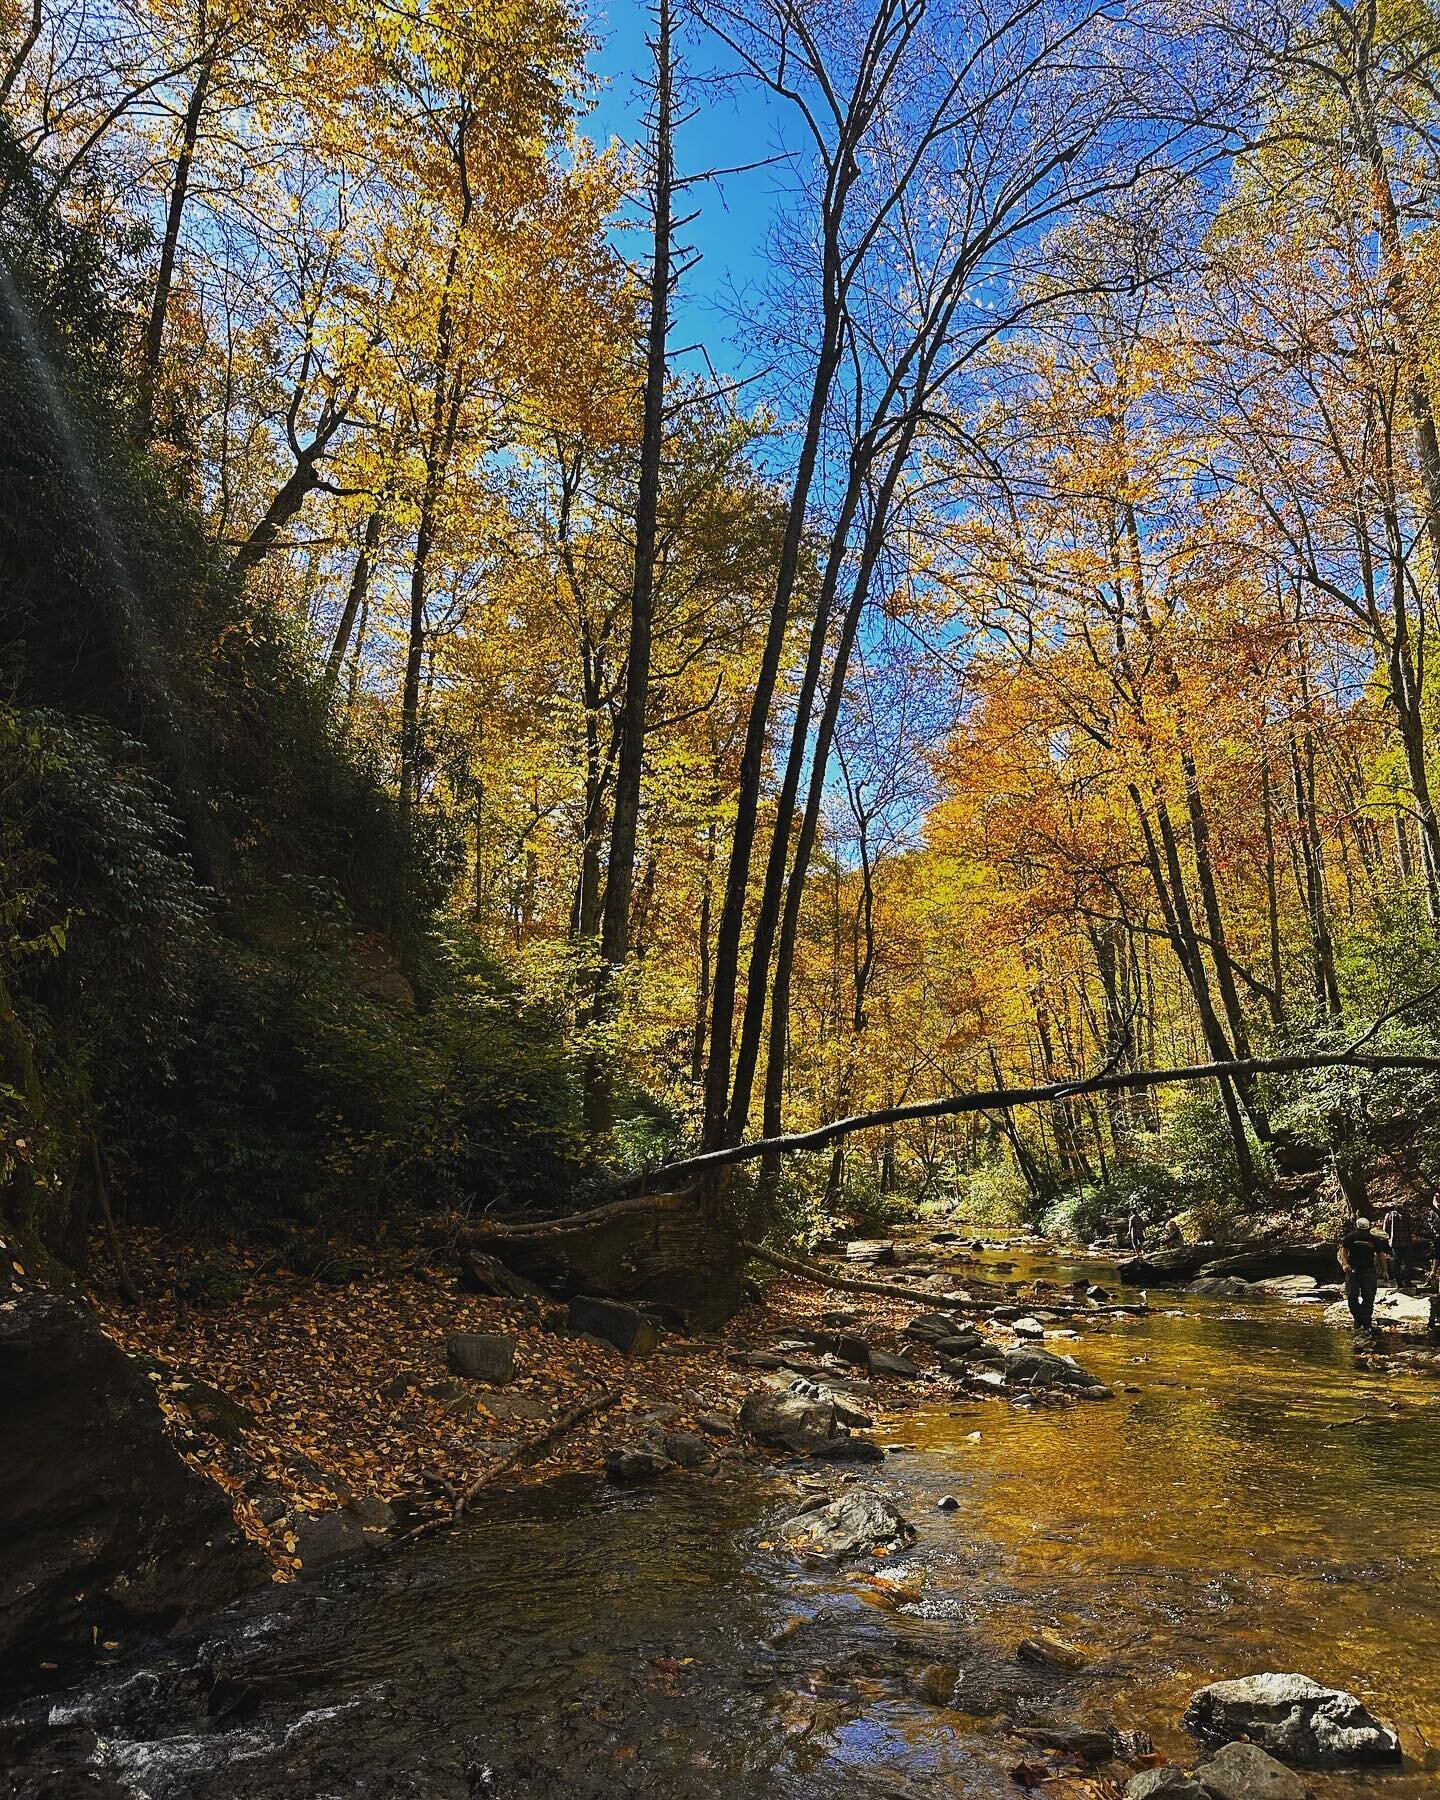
pixel 1432 1231
pixel 1402 1246
pixel 1362 1252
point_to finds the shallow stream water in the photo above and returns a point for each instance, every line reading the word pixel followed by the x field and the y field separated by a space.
pixel 1258 1502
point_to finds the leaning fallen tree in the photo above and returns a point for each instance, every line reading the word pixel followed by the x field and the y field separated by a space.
pixel 670 1237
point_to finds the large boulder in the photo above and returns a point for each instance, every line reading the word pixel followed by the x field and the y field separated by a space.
pixel 789 1421
pixel 104 1529
pixel 856 1524
pixel 1246 1772
pixel 1294 1718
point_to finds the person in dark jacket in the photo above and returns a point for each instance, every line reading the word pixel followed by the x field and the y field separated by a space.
pixel 1362 1257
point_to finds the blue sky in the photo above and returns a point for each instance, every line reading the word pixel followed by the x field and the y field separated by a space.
pixel 732 127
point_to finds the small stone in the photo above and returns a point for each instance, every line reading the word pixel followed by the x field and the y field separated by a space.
pixel 481 1356
pixel 371 1512
pixel 947 1503
pixel 321 1537
pixel 686 1450
pixel 1051 1652
pixel 937 1683
pixel 899 1368
pixel 717 1424
pixel 631 1463
pixel 1072 1740
pixel 1167 1783
pixel 509 1407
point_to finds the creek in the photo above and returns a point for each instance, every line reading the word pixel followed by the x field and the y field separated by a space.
pixel 1250 1500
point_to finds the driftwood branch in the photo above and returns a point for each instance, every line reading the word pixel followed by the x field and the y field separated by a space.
pixel 537 1446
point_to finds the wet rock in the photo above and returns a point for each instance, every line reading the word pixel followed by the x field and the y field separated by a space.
pixel 947 1503
pixel 1167 1783
pixel 1030 1366
pixel 1294 1718
pixel 848 1449
pixel 102 1525
pixel 626 1327
pixel 1224 1287
pixel 322 1537
pixel 1047 1651
pixel 845 1411
pixel 628 1464
pixel 899 1368
pixel 481 1356
pixel 870 1250
pixel 686 1450
pixel 930 1328
pixel 856 1524
pixel 1263 1262
pixel 372 1512
pixel 936 1684
pixel 1289 1287
pixel 1246 1772
pixel 1071 1740
pixel 789 1421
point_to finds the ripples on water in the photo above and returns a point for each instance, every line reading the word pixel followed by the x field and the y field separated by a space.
pixel 573 1641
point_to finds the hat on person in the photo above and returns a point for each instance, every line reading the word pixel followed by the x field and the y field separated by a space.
pixel 1361 1222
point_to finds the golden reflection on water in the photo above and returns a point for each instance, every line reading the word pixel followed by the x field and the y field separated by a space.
pixel 1260 1503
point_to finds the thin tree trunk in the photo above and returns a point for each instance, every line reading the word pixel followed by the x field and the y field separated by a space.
pixel 355 596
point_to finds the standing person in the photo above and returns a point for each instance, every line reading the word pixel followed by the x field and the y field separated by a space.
pixel 1402 1244
pixel 1432 1231
pixel 1136 1229
pixel 1362 1251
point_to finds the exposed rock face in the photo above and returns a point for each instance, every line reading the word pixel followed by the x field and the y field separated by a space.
pixel 1246 1772
pixel 103 1527
pixel 870 1250
pixel 1294 1718
pixel 853 1525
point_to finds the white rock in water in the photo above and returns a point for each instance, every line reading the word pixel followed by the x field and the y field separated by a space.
pixel 1294 1718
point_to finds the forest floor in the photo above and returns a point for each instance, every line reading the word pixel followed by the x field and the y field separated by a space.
pixel 297 1395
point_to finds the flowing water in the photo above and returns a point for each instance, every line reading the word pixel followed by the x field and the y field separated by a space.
pixel 1257 1503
